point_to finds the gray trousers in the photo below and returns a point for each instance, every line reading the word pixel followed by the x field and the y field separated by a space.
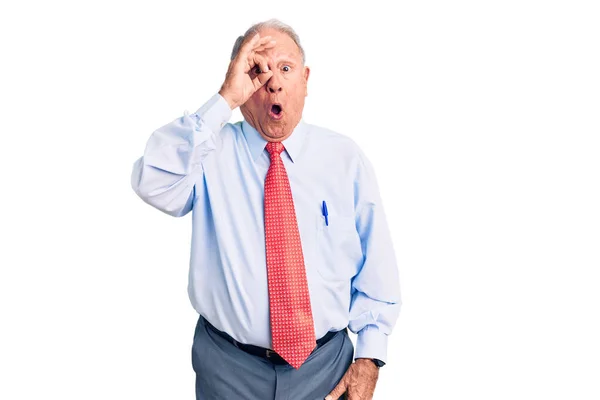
pixel 223 371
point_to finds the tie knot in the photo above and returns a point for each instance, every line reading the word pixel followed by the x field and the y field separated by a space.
pixel 275 147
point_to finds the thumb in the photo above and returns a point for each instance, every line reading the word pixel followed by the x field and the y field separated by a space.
pixel 337 392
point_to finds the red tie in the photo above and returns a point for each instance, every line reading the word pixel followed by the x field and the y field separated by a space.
pixel 292 326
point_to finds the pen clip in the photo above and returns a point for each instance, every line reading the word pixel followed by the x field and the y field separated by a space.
pixel 325 213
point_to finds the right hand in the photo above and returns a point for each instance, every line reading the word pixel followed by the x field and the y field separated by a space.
pixel 239 84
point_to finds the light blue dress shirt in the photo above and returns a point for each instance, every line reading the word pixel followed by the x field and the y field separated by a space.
pixel 202 163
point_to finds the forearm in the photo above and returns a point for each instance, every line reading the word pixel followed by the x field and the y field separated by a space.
pixel 376 301
pixel 373 321
pixel 165 175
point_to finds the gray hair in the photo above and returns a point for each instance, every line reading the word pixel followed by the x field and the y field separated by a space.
pixel 273 24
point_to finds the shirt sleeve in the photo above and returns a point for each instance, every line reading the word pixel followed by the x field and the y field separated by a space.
pixel 165 175
pixel 375 302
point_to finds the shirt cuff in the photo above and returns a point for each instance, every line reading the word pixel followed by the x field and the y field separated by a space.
pixel 371 343
pixel 215 113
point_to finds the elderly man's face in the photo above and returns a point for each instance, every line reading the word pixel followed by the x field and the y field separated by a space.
pixel 275 109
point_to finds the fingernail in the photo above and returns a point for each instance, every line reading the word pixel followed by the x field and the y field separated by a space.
pixel 328 398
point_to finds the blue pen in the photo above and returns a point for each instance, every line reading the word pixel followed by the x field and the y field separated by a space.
pixel 325 213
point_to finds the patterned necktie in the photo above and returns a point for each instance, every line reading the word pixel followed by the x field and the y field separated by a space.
pixel 292 326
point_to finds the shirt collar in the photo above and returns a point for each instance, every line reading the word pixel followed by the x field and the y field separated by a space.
pixel 256 143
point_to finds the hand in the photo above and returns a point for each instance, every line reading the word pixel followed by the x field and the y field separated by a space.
pixel 358 382
pixel 239 85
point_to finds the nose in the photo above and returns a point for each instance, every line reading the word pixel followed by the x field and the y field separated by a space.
pixel 273 85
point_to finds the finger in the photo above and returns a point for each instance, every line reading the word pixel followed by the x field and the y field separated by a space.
pixel 255 41
pixel 262 62
pixel 249 45
pixel 261 79
pixel 257 59
pixel 337 392
pixel 265 46
pixel 263 41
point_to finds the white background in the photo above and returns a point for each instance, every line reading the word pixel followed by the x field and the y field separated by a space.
pixel 482 121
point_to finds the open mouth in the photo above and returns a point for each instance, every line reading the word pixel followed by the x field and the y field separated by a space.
pixel 276 111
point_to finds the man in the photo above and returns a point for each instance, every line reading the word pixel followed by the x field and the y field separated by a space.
pixel 290 243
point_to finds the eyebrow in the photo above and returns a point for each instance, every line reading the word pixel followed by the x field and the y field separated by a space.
pixel 287 61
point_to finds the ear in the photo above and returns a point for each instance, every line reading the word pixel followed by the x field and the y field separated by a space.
pixel 306 75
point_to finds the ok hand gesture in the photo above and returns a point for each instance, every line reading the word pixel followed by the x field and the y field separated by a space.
pixel 239 84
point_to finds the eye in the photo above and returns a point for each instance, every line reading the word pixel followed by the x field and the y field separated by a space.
pixel 286 68
pixel 257 70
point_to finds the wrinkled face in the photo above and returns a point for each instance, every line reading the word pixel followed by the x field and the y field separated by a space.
pixel 275 109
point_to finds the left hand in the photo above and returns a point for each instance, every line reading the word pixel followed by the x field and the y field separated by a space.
pixel 358 382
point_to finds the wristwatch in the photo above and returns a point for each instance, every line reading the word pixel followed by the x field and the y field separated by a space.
pixel 377 362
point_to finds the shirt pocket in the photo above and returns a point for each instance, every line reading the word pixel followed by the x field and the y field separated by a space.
pixel 338 247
